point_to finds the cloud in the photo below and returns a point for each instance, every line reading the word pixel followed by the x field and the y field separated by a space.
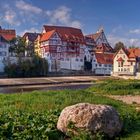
pixel 28 7
pixel 127 41
pixel 22 15
pixel 32 30
pixel 62 15
pixel 10 16
pixel 135 31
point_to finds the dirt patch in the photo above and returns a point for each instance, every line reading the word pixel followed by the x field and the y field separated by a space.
pixel 129 99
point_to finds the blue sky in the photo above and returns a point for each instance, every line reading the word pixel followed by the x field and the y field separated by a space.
pixel 120 18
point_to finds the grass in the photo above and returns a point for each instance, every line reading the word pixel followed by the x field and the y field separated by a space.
pixel 117 87
pixel 34 115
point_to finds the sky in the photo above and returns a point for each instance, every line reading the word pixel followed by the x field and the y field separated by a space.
pixel 119 18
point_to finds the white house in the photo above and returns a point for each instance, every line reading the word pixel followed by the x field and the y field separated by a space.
pixel 63 47
pixel 102 63
pixel 126 61
pixel 102 56
pixel 5 37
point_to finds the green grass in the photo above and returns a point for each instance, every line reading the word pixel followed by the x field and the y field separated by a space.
pixel 34 115
pixel 117 87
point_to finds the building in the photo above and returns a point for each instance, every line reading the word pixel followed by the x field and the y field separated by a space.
pixel 30 39
pixel 99 37
pixel 126 61
pixel 37 49
pixel 102 54
pixel 63 47
pixel 6 35
pixel 102 63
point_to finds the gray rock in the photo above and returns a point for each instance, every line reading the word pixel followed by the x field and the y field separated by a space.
pixel 90 117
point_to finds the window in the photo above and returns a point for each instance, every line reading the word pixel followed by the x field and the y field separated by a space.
pixel 131 63
pixel 76 59
pixel 120 64
pixel 3 53
pixel 81 60
pixel 118 69
pixel 100 65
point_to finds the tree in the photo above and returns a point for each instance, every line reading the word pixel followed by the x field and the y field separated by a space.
pixel 17 47
pixel 34 67
pixel 118 46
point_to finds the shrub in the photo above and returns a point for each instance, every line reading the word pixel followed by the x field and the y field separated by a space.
pixel 28 68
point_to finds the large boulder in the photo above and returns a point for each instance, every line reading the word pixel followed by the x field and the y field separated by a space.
pixel 90 117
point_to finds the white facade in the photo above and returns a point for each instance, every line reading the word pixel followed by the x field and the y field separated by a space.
pixel 124 67
pixel 100 68
pixel 59 57
pixel 4 53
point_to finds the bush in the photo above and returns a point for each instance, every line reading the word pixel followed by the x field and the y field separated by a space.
pixel 28 68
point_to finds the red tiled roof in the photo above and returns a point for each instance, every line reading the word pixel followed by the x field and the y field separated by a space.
pixel 67 33
pixel 103 58
pixel 8 34
pixel 104 48
pixel 120 59
pixel 46 36
pixel 95 36
pixel 89 41
pixel 134 52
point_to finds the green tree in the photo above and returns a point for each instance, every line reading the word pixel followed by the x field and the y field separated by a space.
pixel 118 46
pixel 17 47
pixel 33 67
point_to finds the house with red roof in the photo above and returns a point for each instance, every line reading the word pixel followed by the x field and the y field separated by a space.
pixel 102 55
pixel 6 35
pixel 102 63
pixel 126 61
pixel 63 47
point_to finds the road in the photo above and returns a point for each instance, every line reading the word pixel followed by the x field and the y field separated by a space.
pixel 20 85
pixel 48 80
pixel 23 89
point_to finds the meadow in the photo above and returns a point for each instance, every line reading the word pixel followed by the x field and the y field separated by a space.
pixel 34 115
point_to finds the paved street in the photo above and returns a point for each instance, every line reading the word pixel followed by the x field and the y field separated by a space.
pixel 48 80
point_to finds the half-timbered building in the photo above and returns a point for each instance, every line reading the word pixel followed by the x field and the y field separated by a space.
pixel 6 35
pixel 63 47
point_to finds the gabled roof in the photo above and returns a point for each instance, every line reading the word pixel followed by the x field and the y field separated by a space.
pixel 31 36
pixel 95 36
pixel 125 51
pixel 89 41
pixel 67 33
pixel 104 48
pixel 46 36
pixel 7 34
pixel 104 58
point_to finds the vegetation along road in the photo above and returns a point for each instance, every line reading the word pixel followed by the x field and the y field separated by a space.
pixel 34 115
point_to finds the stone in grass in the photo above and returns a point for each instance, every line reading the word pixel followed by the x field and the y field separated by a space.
pixel 91 118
